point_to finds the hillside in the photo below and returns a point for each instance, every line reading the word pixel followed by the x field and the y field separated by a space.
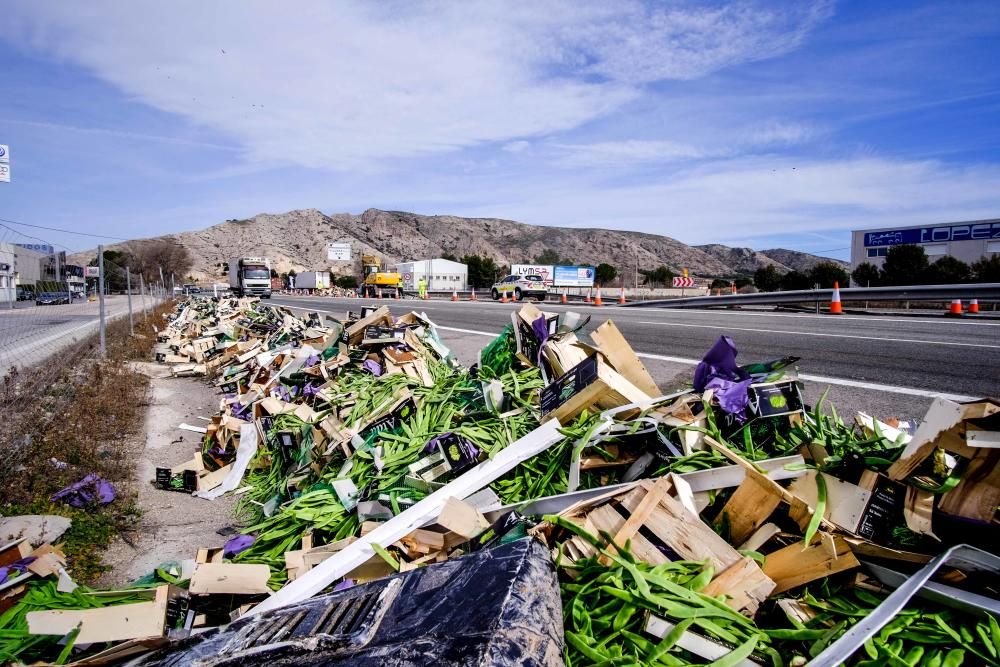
pixel 297 240
pixel 745 260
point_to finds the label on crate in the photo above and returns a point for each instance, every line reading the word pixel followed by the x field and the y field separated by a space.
pixel 378 334
pixel 571 383
pixel 185 481
pixel 774 400
pixel 393 420
pixel 884 511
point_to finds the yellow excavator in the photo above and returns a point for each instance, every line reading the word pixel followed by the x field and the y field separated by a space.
pixel 374 276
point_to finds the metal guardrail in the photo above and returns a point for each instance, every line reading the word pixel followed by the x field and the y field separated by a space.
pixel 989 291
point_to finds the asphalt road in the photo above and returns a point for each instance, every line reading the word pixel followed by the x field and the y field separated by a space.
pixel 888 365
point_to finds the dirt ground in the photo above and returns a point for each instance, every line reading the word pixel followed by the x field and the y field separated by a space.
pixel 173 525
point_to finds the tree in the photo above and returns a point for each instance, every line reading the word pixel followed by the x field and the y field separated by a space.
pixel 947 271
pixel 605 273
pixel 115 262
pixel 719 283
pixel 449 256
pixel 347 282
pixel 987 270
pixel 767 278
pixel 659 276
pixel 827 273
pixel 482 270
pixel 547 256
pixel 795 280
pixel 866 275
pixel 149 256
pixel 742 282
pixel 905 264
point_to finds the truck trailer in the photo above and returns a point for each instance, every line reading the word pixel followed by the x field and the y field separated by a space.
pixel 312 280
pixel 250 276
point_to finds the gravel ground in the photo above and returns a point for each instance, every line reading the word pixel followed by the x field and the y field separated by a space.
pixel 173 525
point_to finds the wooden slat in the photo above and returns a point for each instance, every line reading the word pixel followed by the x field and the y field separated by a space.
pixel 794 565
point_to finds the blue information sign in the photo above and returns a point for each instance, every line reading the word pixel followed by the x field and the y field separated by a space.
pixel 943 234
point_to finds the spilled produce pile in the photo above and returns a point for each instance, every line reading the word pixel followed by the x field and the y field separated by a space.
pixel 725 524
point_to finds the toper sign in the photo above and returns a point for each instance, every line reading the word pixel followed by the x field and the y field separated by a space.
pixel 91 271
pixel 680 281
pixel 338 252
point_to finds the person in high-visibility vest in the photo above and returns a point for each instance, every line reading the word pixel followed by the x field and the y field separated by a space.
pixel 422 287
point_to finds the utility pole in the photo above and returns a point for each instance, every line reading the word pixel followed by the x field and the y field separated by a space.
pixel 142 295
pixel 128 290
pixel 100 297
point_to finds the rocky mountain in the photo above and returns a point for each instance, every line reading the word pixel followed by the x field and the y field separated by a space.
pixel 297 240
pixel 800 261
pixel 745 260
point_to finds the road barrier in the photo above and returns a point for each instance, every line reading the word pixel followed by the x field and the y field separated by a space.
pixel 990 291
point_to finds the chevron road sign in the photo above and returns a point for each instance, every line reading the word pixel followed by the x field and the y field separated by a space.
pixel 682 281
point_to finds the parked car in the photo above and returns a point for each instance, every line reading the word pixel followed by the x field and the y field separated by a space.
pixel 190 288
pixel 51 298
pixel 25 293
pixel 531 286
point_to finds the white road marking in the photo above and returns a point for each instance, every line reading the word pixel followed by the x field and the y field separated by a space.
pixel 727 327
pixel 822 379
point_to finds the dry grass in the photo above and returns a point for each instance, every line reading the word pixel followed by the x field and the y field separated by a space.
pixel 73 415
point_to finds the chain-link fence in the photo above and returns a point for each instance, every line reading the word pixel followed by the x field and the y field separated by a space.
pixel 48 303
pixel 69 394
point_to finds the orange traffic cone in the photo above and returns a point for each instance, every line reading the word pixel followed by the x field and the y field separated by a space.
pixel 835 308
pixel 513 296
pixel 454 295
pixel 621 297
pixel 597 299
pixel 589 291
pixel 974 306
pixel 564 298
pixel 503 297
pixel 380 295
pixel 956 308
pixel 473 297
pixel 734 288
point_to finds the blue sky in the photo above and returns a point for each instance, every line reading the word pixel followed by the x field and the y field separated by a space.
pixel 751 123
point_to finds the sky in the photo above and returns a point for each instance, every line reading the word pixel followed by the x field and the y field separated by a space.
pixel 759 124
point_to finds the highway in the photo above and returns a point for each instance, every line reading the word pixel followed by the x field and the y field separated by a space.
pixel 890 365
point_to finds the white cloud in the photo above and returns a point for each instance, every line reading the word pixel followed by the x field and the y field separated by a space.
pixel 517 146
pixel 729 199
pixel 781 133
pixel 618 153
pixel 348 84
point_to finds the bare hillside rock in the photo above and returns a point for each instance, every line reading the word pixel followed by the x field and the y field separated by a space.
pixel 297 240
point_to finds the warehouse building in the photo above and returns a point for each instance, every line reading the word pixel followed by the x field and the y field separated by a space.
pixel 967 241
pixel 441 274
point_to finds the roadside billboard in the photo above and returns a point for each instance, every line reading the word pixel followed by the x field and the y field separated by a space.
pixel 546 271
pixel 573 276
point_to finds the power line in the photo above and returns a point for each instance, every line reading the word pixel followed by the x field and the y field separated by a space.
pixel 64 231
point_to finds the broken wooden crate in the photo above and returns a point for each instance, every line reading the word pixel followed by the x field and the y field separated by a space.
pixel 660 523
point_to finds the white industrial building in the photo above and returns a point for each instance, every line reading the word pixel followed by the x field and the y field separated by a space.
pixel 441 274
pixel 967 241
